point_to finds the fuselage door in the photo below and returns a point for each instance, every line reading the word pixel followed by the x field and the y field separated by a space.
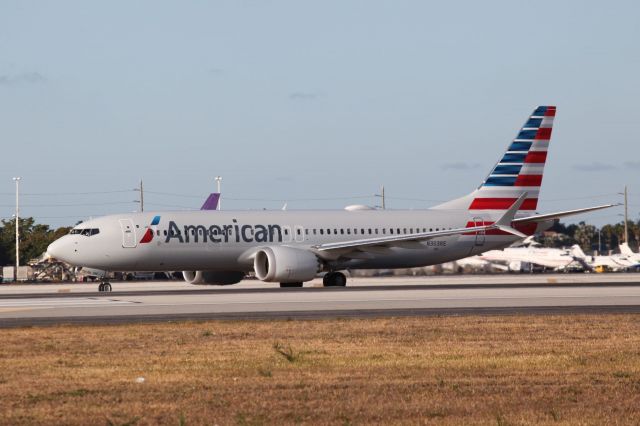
pixel 480 235
pixel 128 233
pixel 298 233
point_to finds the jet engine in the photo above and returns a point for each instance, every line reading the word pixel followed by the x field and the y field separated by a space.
pixel 515 266
pixel 285 265
pixel 213 277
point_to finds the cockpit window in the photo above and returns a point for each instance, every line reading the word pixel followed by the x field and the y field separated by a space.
pixel 87 232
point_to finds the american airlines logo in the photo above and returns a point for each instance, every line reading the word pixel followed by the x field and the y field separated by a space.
pixel 223 233
pixel 148 236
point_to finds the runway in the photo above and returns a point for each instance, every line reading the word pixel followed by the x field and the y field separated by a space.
pixel 147 302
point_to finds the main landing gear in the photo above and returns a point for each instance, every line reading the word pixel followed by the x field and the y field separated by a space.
pixel 334 279
pixel 104 286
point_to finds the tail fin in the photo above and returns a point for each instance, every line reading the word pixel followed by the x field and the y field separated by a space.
pixel 519 170
pixel 211 203
pixel 626 250
pixel 576 251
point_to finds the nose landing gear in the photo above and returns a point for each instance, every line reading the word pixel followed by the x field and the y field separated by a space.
pixel 104 286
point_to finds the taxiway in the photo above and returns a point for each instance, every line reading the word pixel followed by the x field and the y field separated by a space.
pixel 153 301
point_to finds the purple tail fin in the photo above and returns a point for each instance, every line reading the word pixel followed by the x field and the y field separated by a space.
pixel 212 202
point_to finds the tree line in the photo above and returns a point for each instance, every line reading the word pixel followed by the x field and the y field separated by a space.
pixel 589 237
pixel 34 240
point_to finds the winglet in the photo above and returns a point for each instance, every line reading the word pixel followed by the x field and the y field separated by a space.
pixel 504 223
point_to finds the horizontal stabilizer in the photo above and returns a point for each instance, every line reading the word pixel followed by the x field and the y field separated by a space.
pixel 558 215
pixel 504 223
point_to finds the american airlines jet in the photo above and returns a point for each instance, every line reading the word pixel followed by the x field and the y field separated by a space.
pixel 292 247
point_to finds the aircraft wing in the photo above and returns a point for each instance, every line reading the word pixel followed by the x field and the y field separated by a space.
pixel 558 215
pixel 413 240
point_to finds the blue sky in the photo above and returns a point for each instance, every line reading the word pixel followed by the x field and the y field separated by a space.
pixel 312 103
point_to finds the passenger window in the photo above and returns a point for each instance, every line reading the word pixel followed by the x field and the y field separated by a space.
pixel 362 231
pixel 391 230
pixel 341 231
pixel 376 230
pixel 405 230
pixel 158 232
pixel 328 231
pixel 165 232
pixel 321 231
pixel 384 230
pixel 306 231
pixel 335 232
pixel 349 231
pixel 298 231
pixel 314 231
pixel 286 231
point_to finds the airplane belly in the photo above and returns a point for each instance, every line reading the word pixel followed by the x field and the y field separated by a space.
pixel 196 257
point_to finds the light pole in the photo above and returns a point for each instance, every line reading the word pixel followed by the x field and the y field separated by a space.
pixel 381 195
pixel 141 197
pixel 626 216
pixel 17 224
pixel 218 180
pixel 141 200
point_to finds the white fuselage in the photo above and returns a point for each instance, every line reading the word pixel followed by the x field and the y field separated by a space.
pixel 547 257
pixel 227 240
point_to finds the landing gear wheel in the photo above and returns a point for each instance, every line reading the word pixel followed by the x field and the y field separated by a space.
pixel 104 287
pixel 289 285
pixel 334 279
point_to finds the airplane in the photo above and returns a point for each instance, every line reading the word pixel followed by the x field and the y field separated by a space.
pixel 292 247
pixel 473 263
pixel 626 251
pixel 515 257
pixel 614 262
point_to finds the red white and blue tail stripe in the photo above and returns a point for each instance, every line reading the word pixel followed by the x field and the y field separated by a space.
pixel 519 170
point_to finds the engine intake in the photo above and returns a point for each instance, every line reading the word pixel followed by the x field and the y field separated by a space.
pixel 285 265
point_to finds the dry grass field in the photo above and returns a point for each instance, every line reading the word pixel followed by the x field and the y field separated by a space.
pixel 435 370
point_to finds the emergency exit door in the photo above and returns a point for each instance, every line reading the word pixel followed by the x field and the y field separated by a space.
pixel 128 233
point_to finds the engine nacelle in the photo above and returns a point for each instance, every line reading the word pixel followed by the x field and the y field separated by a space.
pixel 213 277
pixel 285 265
pixel 515 266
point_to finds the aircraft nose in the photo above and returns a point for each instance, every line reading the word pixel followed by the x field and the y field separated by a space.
pixel 60 249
